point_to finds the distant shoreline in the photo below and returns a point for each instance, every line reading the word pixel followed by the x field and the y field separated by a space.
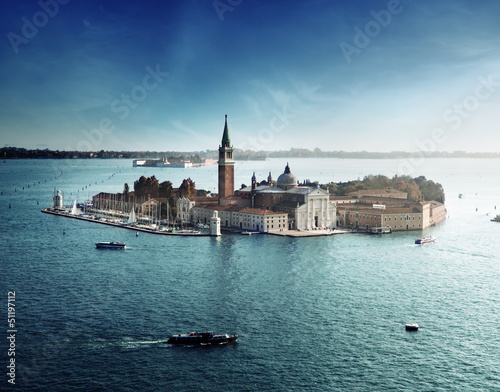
pixel 240 155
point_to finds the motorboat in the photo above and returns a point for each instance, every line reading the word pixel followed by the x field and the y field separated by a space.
pixel 203 338
pixel 110 245
pixel 425 240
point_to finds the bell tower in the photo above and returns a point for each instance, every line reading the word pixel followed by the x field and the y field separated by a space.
pixel 226 166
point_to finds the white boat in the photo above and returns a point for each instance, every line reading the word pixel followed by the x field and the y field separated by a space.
pixel 74 210
pixel 131 218
pixel 110 245
pixel 425 240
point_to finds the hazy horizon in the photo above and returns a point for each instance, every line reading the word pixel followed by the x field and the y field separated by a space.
pixel 375 76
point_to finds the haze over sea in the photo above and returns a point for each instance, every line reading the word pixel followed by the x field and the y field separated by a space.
pixel 315 314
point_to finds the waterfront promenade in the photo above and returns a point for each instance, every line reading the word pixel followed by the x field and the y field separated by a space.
pixel 123 225
pixel 311 233
pixel 183 232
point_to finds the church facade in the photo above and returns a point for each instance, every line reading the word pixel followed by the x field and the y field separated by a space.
pixel 263 208
pixel 308 208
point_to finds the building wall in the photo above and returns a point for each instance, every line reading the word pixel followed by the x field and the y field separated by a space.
pixel 267 223
pixel 243 220
pixel 202 215
pixel 184 207
pixel 385 193
pixel 437 214
pixel 226 180
pixel 268 200
pixel 403 221
pixel 426 214
pixel 370 218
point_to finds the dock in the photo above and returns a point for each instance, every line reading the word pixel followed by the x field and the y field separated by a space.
pixel 310 233
pixel 185 233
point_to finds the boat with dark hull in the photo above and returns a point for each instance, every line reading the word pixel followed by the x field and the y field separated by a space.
pixel 425 240
pixel 203 338
pixel 110 245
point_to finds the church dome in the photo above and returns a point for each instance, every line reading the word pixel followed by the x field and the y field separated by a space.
pixel 287 180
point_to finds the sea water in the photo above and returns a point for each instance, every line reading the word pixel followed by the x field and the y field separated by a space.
pixel 315 314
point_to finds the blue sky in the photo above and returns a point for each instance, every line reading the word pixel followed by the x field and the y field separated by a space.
pixel 336 75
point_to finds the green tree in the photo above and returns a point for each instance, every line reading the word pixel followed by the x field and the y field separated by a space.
pixel 201 193
pixel 140 187
pixel 196 158
pixel 146 187
pixel 408 185
pixel 152 186
pixel 165 190
pixel 377 182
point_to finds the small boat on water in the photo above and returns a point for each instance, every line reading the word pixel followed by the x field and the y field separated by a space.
pixel 110 245
pixel 425 240
pixel 249 232
pixel 411 327
pixel 380 230
pixel 203 338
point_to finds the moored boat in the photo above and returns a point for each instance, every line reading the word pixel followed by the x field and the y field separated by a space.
pixel 110 245
pixel 425 240
pixel 249 232
pixel 203 338
pixel 380 230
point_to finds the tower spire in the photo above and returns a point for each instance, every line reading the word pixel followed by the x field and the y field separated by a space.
pixel 225 136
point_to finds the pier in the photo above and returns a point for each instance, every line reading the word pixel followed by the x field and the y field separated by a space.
pixel 186 233
pixel 311 233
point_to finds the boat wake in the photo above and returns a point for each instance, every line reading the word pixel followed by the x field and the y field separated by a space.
pixel 132 344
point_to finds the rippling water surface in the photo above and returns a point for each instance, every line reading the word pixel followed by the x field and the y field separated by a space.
pixel 312 314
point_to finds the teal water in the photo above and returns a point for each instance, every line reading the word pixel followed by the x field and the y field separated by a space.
pixel 312 314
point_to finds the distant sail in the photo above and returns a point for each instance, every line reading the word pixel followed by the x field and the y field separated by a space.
pixel 74 210
pixel 131 217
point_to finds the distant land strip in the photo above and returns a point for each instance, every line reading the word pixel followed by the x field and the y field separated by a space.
pixel 242 155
